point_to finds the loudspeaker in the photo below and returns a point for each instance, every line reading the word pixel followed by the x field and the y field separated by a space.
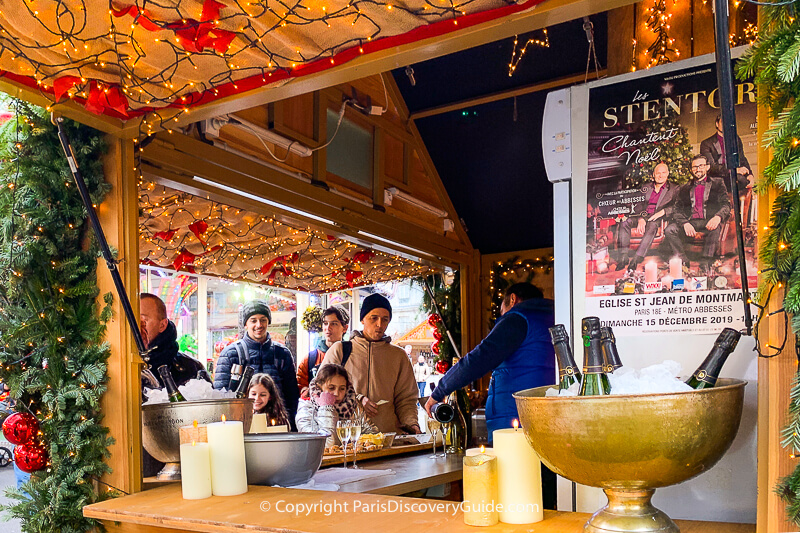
pixel 556 138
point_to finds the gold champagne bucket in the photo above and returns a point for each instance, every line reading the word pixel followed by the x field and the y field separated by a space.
pixel 629 445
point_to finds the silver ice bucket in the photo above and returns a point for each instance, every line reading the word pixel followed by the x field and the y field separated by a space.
pixel 160 423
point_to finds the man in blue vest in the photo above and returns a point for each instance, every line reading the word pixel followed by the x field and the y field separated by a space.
pixel 519 354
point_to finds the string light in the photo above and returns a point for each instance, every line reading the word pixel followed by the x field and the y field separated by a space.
pixel 515 59
pixel 150 57
pixel 186 232
pixel 524 269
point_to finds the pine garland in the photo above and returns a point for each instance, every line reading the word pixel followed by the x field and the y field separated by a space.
pixel 51 351
pixel 448 298
pixel 774 63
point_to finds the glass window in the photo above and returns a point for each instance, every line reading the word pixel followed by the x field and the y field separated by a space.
pixel 224 299
pixel 178 291
pixel 349 156
pixel 406 300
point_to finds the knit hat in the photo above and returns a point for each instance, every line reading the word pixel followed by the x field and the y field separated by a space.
pixel 256 307
pixel 375 301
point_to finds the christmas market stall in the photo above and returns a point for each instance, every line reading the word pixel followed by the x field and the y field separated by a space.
pixel 215 153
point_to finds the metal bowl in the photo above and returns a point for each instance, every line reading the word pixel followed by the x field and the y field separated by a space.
pixel 160 423
pixel 629 445
pixel 284 459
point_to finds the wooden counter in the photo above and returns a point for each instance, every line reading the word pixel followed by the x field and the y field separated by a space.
pixel 415 472
pixel 265 509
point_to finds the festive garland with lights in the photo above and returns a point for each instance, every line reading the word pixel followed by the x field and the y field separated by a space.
pixel 500 278
pixel 187 232
pixel 52 353
pixel 448 300
pixel 133 57
pixel 774 65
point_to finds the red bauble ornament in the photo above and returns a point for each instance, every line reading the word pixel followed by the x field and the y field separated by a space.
pixel 433 319
pixel 437 334
pixel 30 457
pixel 435 348
pixel 442 367
pixel 20 428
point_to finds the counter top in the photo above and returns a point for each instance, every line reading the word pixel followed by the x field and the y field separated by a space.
pixel 267 509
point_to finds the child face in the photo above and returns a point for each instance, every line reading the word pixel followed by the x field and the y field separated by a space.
pixel 336 385
pixel 260 396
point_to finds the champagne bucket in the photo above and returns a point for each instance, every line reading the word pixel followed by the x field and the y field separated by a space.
pixel 160 423
pixel 629 445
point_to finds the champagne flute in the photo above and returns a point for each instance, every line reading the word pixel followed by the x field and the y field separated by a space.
pixel 343 431
pixel 445 431
pixel 355 433
pixel 434 425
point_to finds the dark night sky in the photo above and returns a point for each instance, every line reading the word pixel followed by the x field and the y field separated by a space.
pixel 490 164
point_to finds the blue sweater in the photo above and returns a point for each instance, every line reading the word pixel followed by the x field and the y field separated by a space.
pixel 517 351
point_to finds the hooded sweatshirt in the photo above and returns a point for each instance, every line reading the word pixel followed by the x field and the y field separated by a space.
pixel 380 370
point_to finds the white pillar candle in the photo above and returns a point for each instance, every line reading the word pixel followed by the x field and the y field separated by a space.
pixel 259 424
pixel 676 268
pixel 477 451
pixel 278 429
pixel 195 471
pixel 650 272
pixel 519 477
pixel 480 490
pixel 228 469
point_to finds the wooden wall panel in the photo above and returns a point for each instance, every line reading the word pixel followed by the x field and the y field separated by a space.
pixel 393 159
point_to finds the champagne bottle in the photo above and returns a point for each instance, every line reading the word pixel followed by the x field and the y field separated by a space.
pixel 707 373
pixel 236 377
pixel 610 353
pixel 568 372
pixel 462 399
pixel 443 412
pixel 172 389
pixel 244 383
pixel 457 430
pixel 595 381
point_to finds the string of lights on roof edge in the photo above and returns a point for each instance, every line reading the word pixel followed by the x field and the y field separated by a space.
pixel 194 40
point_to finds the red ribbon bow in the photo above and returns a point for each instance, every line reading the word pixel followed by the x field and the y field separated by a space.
pixel 196 36
pixel 102 96
pixel 140 16
pixel 193 35
pixel 199 228
pixel 165 235
pixel 281 258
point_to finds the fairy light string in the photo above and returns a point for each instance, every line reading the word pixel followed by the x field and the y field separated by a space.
pixel 160 59
pixel 185 232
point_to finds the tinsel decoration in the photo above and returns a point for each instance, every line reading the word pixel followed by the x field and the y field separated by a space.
pixel 448 298
pixel 774 64
pixel 312 319
pixel 49 312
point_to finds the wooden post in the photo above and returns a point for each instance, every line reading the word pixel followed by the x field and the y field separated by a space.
pixel 774 379
pixel 121 403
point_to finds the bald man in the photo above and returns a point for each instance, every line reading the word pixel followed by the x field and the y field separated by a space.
pixel 660 194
